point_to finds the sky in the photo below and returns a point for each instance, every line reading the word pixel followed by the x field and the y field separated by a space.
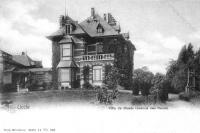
pixel 158 28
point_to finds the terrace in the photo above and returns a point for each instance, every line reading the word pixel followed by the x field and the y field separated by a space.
pixel 96 57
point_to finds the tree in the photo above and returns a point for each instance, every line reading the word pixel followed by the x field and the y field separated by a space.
pixel 160 86
pixel 197 68
pixel 172 68
pixel 177 70
pixel 142 81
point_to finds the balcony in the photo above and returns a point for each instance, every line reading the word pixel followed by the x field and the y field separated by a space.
pixel 97 57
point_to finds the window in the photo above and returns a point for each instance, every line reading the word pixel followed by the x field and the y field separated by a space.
pixel 92 49
pixel 99 48
pixel 97 73
pixel 64 75
pixel 99 30
pixel 66 51
pixel 95 48
pixel 68 29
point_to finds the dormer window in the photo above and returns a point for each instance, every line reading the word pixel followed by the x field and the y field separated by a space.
pixel 100 28
pixel 68 28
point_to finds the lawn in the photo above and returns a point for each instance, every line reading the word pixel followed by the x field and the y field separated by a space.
pixel 64 97
pixel 84 97
pixel 52 97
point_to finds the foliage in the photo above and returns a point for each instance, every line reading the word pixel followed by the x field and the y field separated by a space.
pixel 142 81
pixel 86 70
pixel 104 96
pixel 123 60
pixel 112 78
pixel 108 69
pixel 184 96
pixel 171 72
pixel 87 86
pixel 177 70
pixel 35 85
pixel 160 86
pixel 197 68
pixel 9 88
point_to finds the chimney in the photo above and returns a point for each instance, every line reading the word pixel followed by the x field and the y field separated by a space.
pixel 92 12
pixel 105 17
pixel 109 18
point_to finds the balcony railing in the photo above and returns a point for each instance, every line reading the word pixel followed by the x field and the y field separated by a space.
pixel 97 57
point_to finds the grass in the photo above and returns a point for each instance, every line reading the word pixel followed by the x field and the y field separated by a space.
pixel 83 97
pixel 50 97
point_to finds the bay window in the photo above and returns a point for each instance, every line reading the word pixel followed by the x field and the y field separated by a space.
pixel 66 51
pixel 64 75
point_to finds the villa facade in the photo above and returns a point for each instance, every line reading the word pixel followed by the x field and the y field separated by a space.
pixel 81 51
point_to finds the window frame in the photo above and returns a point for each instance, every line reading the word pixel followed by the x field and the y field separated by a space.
pixel 99 30
pixel 92 52
pixel 65 56
pixel 61 71
pixel 68 29
pixel 96 77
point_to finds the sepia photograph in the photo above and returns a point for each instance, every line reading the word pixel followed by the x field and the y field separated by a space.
pixel 129 64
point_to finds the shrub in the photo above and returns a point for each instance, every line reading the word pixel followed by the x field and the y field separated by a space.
pixel 135 87
pixel 87 86
pixel 188 96
pixel 142 81
pixel 184 96
pixel 105 97
pixel 9 88
pixel 160 87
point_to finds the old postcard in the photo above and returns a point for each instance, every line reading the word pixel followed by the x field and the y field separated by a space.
pixel 99 66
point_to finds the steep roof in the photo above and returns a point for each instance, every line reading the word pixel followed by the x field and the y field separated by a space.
pixel 61 30
pixel 25 60
pixel 90 27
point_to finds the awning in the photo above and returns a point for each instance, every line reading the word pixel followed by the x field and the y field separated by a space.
pixel 65 63
pixel 21 71
pixel 40 69
pixel 66 39
pixel 69 39
pixel 10 70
